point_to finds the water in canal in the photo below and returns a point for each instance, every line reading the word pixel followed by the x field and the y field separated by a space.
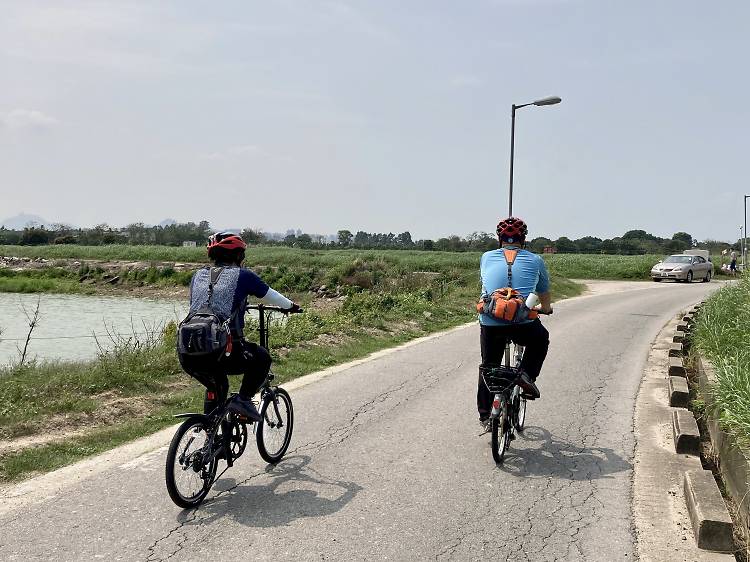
pixel 68 323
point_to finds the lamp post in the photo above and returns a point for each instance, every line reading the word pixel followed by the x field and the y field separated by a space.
pixel 544 101
pixel 744 239
pixel 742 247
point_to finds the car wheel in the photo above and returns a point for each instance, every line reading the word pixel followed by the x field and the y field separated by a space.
pixel 689 278
pixel 707 278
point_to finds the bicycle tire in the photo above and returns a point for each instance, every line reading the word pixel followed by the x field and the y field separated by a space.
pixel 519 409
pixel 500 432
pixel 270 422
pixel 207 472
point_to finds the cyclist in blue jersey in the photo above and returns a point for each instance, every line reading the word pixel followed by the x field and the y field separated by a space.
pixel 528 274
pixel 232 286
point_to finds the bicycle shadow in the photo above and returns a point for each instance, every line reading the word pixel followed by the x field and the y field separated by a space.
pixel 558 458
pixel 294 491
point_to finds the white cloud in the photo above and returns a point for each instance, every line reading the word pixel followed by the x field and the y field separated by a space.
pixel 21 119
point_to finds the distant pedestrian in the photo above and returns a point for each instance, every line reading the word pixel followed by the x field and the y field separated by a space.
pixel 733 263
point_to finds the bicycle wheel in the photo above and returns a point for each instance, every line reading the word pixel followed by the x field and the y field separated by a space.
pixel 188 478
pixel 500 432
pixel 519 408
pixel 274 431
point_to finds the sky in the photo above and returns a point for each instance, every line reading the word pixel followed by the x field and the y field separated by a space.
pixel 378 115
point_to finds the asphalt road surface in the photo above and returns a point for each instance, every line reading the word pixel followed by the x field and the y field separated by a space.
pixel 386 463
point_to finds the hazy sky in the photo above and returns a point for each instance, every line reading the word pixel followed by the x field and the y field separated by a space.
pixel 378 115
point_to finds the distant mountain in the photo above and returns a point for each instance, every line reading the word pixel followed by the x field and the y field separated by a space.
pixel 167 222
pixel 19 222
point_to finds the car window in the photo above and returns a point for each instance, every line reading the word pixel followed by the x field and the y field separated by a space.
pixel 678 259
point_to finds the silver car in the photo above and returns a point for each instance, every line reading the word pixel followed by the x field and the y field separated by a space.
pixel 683 267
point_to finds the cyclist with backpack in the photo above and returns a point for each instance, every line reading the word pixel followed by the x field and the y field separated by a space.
pixel 509 275
pixel 210 339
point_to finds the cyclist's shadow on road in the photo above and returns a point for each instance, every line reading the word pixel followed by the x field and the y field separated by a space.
pixel 285 492
pixel 536 452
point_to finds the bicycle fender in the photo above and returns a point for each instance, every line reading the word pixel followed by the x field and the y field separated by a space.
pixel 203 417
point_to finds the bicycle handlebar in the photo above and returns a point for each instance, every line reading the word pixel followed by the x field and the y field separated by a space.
pixel 261 307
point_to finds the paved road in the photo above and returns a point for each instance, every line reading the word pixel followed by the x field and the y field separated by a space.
pixel 386 463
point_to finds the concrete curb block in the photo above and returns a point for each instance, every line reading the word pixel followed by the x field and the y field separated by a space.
pixel 679 336
pixel 676 350
pixel 734 464
pixel 687 438
pixel 676 368
pixel 683 328
pixel 679 394
pixel 712 525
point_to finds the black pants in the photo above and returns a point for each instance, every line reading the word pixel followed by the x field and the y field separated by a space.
pixel 492 339
pixel 247 358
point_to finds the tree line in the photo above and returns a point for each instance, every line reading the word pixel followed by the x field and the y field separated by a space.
pixel 630 243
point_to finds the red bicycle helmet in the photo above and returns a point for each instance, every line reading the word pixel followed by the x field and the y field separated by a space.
pixel 512 229
pixel 226 241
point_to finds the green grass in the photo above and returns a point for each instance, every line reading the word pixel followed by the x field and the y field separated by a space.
pixel 51 456
pixel 294 269
pixel 722 334
pixel 287 269
pixel 400 306
pixel 601 266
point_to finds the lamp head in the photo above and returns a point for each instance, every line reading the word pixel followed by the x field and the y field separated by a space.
pixel 552 100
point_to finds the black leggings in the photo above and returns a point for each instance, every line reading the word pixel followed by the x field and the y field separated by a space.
pixel 492 341
pixel 247 358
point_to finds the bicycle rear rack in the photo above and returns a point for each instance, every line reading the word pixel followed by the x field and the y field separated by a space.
pixel 498 378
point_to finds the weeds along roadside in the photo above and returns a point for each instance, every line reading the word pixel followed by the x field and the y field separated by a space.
pixel 721 334
pixel 53 413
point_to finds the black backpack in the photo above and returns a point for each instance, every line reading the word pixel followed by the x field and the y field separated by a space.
pixel 203 332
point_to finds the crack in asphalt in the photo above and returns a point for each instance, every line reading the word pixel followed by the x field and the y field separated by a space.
pixel 195 517
pixel 335 435
pixel 549 527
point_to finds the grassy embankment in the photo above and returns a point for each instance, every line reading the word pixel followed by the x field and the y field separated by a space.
pixel 373 300
pixel 722 333
pixel 155 266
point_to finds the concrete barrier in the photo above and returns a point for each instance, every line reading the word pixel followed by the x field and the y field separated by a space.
pixel 712 526
pixel 676 368
pixel 679 336
pixel 676 350
pixel 679 395
pixel 687 438
pixel 733 463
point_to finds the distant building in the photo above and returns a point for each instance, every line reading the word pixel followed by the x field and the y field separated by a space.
pixel 550 250
pixel 189 244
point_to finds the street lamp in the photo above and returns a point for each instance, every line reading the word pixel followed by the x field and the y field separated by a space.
pixel 744 240
pixel 544 101
pixel 742 249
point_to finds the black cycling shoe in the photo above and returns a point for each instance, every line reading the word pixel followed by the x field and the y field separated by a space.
pixel 528 386
pixel 244 407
